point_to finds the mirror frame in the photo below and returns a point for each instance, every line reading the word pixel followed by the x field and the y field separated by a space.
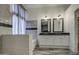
pixel 62 25
pixel 48 20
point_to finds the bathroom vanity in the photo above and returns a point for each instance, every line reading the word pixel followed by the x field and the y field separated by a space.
pixel 51 33
pixel 54 40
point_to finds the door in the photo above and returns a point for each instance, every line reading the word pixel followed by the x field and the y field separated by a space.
pixel 78 32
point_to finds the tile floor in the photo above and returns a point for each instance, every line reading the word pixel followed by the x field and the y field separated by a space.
pixel 48 51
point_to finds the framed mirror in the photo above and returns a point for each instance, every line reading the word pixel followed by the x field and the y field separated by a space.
pixel 58 25
pixel 45 25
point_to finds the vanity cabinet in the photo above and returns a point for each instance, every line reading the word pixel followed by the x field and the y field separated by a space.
pixel 54 41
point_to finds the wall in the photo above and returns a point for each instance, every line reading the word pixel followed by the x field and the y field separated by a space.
pixel 51 12
pixel 70 17
pixel 5 17
pixel 4 11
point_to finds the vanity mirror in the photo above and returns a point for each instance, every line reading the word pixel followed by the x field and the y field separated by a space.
pixel 45 25
pixel 58 25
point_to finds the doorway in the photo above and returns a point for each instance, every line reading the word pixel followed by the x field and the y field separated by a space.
pixel 78 32
pixel 77 27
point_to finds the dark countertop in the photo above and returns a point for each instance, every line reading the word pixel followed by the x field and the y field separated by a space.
pixel 62 33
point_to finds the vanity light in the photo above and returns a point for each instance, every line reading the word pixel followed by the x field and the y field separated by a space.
pixel 58 20
pixel 59 16
pixel 46 18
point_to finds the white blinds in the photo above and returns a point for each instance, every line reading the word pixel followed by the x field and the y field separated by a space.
pixel 18 19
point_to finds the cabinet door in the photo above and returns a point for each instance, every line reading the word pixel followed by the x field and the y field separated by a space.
pixel 51 40
pixel 65 40
pixel 46 40
pixel 61 40
pixel 43 40
pixel 57 40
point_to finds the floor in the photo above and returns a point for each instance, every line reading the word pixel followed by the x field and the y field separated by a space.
pixel 49 51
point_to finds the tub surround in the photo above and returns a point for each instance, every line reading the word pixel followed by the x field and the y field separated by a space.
pixel 16 44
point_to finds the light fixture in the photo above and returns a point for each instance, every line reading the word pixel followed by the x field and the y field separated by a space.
pixel 58 18
pixel 45 18
pixel 59 15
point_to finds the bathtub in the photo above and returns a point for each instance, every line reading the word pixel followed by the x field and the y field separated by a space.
pixel 17 44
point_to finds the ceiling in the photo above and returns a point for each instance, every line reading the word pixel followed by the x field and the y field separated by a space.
pixel 44 5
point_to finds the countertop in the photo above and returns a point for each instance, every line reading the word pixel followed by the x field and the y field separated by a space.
pixel 62 33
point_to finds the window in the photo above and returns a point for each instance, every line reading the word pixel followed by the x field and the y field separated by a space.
pixel 18 19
